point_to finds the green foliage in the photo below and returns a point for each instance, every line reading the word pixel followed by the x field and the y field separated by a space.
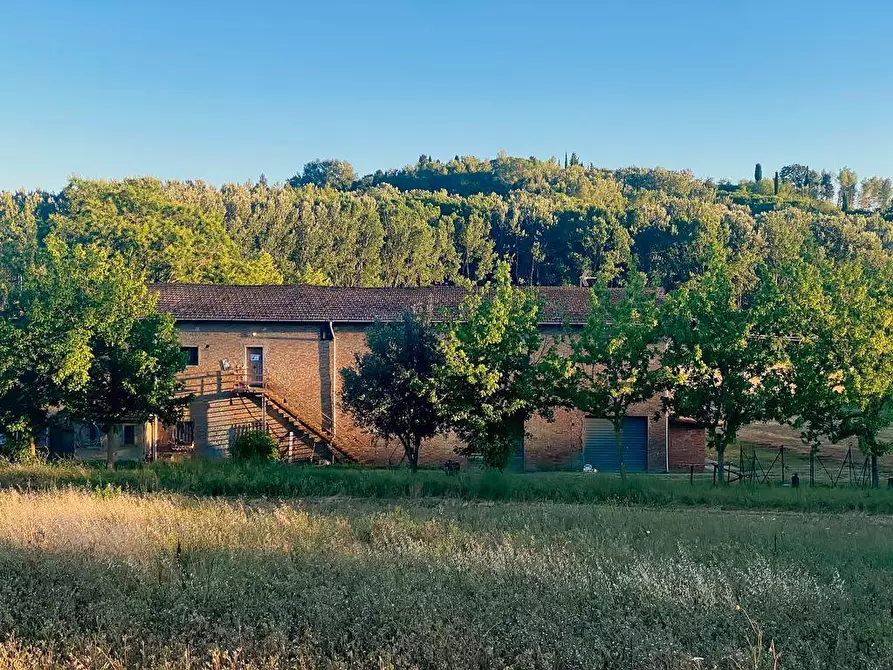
pixel 498 371
pixel 78 331
pixel 721 345
pixel 253 446
pixel 393 389
pixel 57 298
pixel 614 354
pixel 330 172
pixel 840 379
pixel 433 222
pixel 758 173
pixel 167 240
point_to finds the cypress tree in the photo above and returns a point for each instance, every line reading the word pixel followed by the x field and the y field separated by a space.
pixel 565 160
pixel 758 173
pixel 776 183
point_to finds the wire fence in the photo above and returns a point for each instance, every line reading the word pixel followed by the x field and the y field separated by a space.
pixel 781 464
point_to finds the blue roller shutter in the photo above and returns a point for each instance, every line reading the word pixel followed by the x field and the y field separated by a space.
pixel 600 446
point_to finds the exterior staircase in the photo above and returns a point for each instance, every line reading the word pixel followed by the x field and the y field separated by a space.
pixel 299 437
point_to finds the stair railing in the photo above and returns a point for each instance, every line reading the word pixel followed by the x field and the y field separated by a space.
pixel 296 404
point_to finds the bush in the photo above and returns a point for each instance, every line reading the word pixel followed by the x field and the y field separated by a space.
pixel 255 446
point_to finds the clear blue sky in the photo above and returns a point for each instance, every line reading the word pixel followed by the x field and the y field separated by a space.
pixel 224 91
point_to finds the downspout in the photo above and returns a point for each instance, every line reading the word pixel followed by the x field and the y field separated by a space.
pixel 667 439
pixel 334 375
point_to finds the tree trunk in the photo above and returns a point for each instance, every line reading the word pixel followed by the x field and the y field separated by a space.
pixel 110 439
pixel 412 448
pixel 618 435
pixel 875 479
pixel 721 462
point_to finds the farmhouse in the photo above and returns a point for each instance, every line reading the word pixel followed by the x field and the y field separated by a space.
pixel 269 356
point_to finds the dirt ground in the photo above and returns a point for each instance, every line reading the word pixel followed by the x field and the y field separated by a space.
pixel 773 435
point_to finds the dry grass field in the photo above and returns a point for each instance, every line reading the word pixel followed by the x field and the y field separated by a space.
pixel 104 579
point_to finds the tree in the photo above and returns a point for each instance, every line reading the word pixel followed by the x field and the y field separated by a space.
pixel 168 240
pixel 876 193
pixel 331 172
pixel 55 299
pixel 847 181
pixel 775 184
pixel 614 354
pixel 839 383
pixel 393 390
pixel 719 349
pixel 826 186
pixel 498 372
pixel 133 372
pixel 758 173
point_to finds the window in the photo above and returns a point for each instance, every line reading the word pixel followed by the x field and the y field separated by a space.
pixel 129 434
pixel 326 332
pixel 191 355
pixel 185 432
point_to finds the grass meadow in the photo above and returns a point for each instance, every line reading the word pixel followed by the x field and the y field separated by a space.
pixel 222 565
pixel 103 578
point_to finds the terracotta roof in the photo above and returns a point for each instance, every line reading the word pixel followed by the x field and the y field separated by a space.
pixel 206 302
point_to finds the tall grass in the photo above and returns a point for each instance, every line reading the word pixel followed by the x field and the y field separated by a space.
pixel 101 579
pixel 228 478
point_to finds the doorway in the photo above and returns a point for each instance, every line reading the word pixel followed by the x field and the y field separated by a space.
pixel 255 367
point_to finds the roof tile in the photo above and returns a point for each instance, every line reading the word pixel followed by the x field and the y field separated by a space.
pixel 208 302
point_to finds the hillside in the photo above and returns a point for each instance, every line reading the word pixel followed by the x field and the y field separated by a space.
pixel 447 222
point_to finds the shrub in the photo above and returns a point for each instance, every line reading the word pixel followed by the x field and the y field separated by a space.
pixel 255 446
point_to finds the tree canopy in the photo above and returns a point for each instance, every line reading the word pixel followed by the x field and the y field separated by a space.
pixel 449 221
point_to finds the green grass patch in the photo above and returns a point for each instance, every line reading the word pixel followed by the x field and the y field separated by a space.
pixel 275 480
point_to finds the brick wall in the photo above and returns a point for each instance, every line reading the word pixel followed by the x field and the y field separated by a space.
pixel 291 356
pixel 687 445
pixel 308 367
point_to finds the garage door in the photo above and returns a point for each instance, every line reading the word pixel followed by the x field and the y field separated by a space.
pixel 600 445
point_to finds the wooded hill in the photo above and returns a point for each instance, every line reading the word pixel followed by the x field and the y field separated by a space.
pixel 448 222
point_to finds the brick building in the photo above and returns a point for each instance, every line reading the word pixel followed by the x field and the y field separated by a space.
pixel 269 356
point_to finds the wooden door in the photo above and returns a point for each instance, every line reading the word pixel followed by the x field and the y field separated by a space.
pixel 255 367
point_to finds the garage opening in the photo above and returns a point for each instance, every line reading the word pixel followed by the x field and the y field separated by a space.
pixel 600 445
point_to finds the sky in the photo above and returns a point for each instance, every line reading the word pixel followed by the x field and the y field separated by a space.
pixel 224 91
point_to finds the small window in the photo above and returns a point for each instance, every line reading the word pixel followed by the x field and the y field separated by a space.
pixel 325 332
pixel 185 432
pixel 191 355
pixel 129 434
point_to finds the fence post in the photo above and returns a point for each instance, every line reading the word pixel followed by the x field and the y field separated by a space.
pixel 782 464
pixel 691 475
pixel 714 474
pixel 812 467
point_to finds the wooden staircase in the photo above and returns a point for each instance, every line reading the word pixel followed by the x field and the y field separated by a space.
pixel 274 400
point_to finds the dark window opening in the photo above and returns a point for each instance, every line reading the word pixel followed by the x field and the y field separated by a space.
pixel 325 332
pixel 185 432
pixel 129 435
pixel 191 355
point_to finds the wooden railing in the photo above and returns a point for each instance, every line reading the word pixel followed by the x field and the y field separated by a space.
pixel 309 416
